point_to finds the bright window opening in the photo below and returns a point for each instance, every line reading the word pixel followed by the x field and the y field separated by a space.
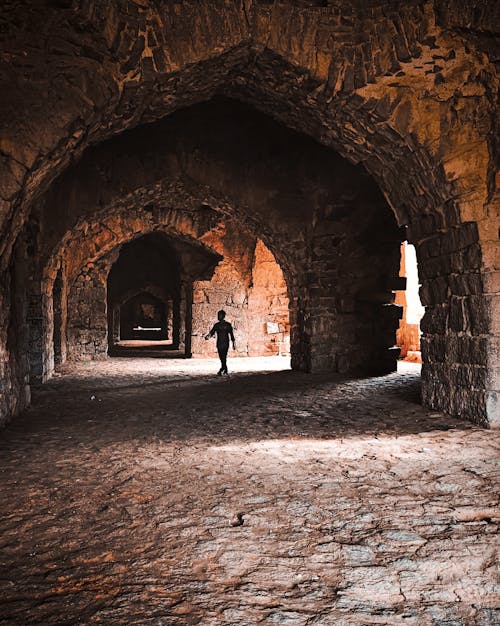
pixel 408 334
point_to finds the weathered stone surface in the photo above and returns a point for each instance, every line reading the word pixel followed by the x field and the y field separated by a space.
pixel 359 506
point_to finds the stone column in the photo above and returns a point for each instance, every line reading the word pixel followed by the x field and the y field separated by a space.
pixel 40 324
pixel 177 320
pixel 491 283
pixel 342 314
pixel 188 317
pixel 300 334
pixel 185 316
pixel 14 362
pixel 456 327
pixel 59 306
pixel 114 331
pixel 39 317
pixel 87 315
pixel 170 309
pixel 36 332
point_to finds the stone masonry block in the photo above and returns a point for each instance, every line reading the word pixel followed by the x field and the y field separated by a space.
pixel 436 373
pixel 466 284
pixel 479 313
pixel 469 404
pixel 434 291
pixel 492 282
pixel 467 349
pixel 435 319
pixel 494 313
pixel 458 320
pixel 472 257
pixel 493 408
pixel 433 348
pixel 458 238
pixel 469 376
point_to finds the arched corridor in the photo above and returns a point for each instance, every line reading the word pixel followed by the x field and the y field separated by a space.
pixel 164 164
pixel 123 483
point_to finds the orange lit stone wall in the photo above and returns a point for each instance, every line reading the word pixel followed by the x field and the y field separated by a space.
pixel 268 322
pixel 249 285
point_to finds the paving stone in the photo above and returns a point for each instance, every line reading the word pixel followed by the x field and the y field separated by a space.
pixel 359 505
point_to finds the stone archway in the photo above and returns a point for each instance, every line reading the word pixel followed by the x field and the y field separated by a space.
pixel 96 286
pixel 336 91
pixel 146 266
pixel 89 252
pixel 324 220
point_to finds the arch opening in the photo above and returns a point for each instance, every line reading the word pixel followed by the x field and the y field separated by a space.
pixel 190 280
pixel 409 331
pixel 326 221
pixel 144 292
pixel 143 317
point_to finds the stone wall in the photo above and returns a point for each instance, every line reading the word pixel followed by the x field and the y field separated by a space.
pixel 255 300
pixel 15 391
pixel 455 341
pixel 350 319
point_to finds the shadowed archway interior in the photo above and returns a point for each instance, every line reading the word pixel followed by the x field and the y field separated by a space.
pixel 322 219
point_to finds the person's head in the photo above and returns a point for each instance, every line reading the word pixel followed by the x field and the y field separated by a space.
pixel 221 315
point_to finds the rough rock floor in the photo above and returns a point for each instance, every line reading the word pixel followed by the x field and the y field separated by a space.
pixel 121 485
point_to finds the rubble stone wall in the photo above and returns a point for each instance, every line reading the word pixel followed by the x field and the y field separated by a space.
pixel 255 301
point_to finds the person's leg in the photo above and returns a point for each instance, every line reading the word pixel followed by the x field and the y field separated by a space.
pixel 223 358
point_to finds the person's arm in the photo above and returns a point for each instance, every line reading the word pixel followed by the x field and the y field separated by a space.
pixel 211 333
pixel 231 334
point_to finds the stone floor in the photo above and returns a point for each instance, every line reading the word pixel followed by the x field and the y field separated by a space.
pixel 122 485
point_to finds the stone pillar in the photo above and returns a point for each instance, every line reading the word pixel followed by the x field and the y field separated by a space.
pixel 115 330
pixel 185 317
pixel 177 318
pixel 87 315
pixel 355 340
pixel 491 284
pixel 188 318
pixel 300 335
pixel 342 314
pixel 456 327
pixel 59 307
pixel 36 332
pixel 14 363
pixel 40 324
pixel 170 308
pixel 39 318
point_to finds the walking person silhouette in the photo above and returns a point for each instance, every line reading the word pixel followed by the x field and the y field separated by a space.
pixel 224 331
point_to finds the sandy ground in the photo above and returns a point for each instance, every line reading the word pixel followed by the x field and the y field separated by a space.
pixel 122 485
